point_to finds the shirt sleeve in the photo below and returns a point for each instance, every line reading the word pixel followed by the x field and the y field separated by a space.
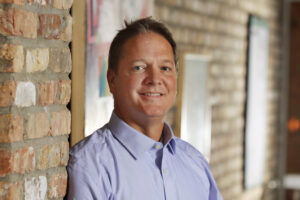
pixel 214 193
pixel 199 159
pixel 87 182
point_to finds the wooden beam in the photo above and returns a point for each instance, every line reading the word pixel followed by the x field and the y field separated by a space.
pixel 78 71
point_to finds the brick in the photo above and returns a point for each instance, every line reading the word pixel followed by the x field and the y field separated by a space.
pixel 50 26
pixel 173 2
pixel 64 92
pixel 227 84
pixel 7 93
pixel 234 164
pixel 18 23
pixel 64 153
pixel 11 190
pixel 35 188
pixel 7 22
pixel 25 94
pixel 193 5
pixel 38 125
pixel 25 24
pixel 54 155
pixel 43 157
pixel 227 152
pixel 11 128
pixel 48 156
pixel 24 160
pixel 227 111
pixel 37 59
pixel 60 60
pixel 47 92
pixel 230 179
pixel 60 122
pixel 20 161
pixel 62 4
pixel 57 185
pixel 66 34
pixel 44 3
pixel 11 58
pixel 232 138
pixel 17 2
pixel 7 162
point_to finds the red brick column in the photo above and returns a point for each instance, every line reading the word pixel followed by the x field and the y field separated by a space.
pixel 35 62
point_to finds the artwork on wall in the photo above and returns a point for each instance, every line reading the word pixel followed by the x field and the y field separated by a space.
pixel 103 19
pixel 193 118
pixel 256 102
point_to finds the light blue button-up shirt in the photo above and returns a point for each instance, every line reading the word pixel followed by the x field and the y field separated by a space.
pixel 119 163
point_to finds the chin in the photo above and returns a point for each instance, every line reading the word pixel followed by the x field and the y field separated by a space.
pixel 155 113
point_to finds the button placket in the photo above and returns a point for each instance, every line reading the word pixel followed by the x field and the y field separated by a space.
pixel 168 176
pixel 164 171
pixel 164 167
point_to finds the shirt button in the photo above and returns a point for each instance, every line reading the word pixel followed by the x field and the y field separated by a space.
pixel 157 146
pixel 164 171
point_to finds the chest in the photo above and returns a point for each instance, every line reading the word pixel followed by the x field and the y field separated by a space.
pixel 158 175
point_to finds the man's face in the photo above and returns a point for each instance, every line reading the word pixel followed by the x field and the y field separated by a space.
pixel 144 86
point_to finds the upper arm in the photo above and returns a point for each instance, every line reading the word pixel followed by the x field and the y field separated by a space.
pixel 87 181
pixel 214 193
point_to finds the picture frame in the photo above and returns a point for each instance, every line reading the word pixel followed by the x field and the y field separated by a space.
pixel 95 23
pixel 256 102
pixel 193 109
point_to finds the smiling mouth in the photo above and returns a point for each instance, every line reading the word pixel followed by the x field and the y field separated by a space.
pixel 152 94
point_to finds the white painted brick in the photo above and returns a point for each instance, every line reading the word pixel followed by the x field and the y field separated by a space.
pixel 35 188
pixel 26 94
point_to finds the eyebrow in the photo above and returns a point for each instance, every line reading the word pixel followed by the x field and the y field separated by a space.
pixel 138 60
pixel 145 61
pixel 168 61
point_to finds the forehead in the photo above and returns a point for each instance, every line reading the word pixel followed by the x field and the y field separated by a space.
pixel 149 43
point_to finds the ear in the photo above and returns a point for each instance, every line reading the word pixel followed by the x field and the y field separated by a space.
pixel 111 75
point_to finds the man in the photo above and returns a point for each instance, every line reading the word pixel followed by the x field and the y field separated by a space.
pixel 136 155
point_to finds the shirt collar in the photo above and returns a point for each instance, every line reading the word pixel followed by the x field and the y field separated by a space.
pixel 136 142
pixel 169 138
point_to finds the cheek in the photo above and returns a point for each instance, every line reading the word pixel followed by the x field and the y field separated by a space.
pixel 133 82
pixel 172 84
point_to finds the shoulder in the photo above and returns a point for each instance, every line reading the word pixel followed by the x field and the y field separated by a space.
pixel 190 151
pixel 91 146
pixel 87 172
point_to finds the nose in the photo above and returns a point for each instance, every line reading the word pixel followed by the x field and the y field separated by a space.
pixel 153 76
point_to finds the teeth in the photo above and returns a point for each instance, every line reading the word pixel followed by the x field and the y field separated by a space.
pixel 152 94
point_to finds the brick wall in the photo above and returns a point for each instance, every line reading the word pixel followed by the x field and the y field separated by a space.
pixel 219 28
pixel 35 62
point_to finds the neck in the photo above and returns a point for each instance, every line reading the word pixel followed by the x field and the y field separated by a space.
pixel 151 126
pixel 152 130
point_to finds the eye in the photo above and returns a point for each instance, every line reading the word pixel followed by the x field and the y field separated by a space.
pixel 166 68
pixel 138 68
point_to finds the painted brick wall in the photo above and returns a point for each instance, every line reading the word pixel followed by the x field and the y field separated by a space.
pixel 219 28
pixel 35 62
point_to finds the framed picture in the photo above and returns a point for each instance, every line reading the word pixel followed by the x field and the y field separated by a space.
pixel 96 22
pixel 256 101
pixel 193 120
